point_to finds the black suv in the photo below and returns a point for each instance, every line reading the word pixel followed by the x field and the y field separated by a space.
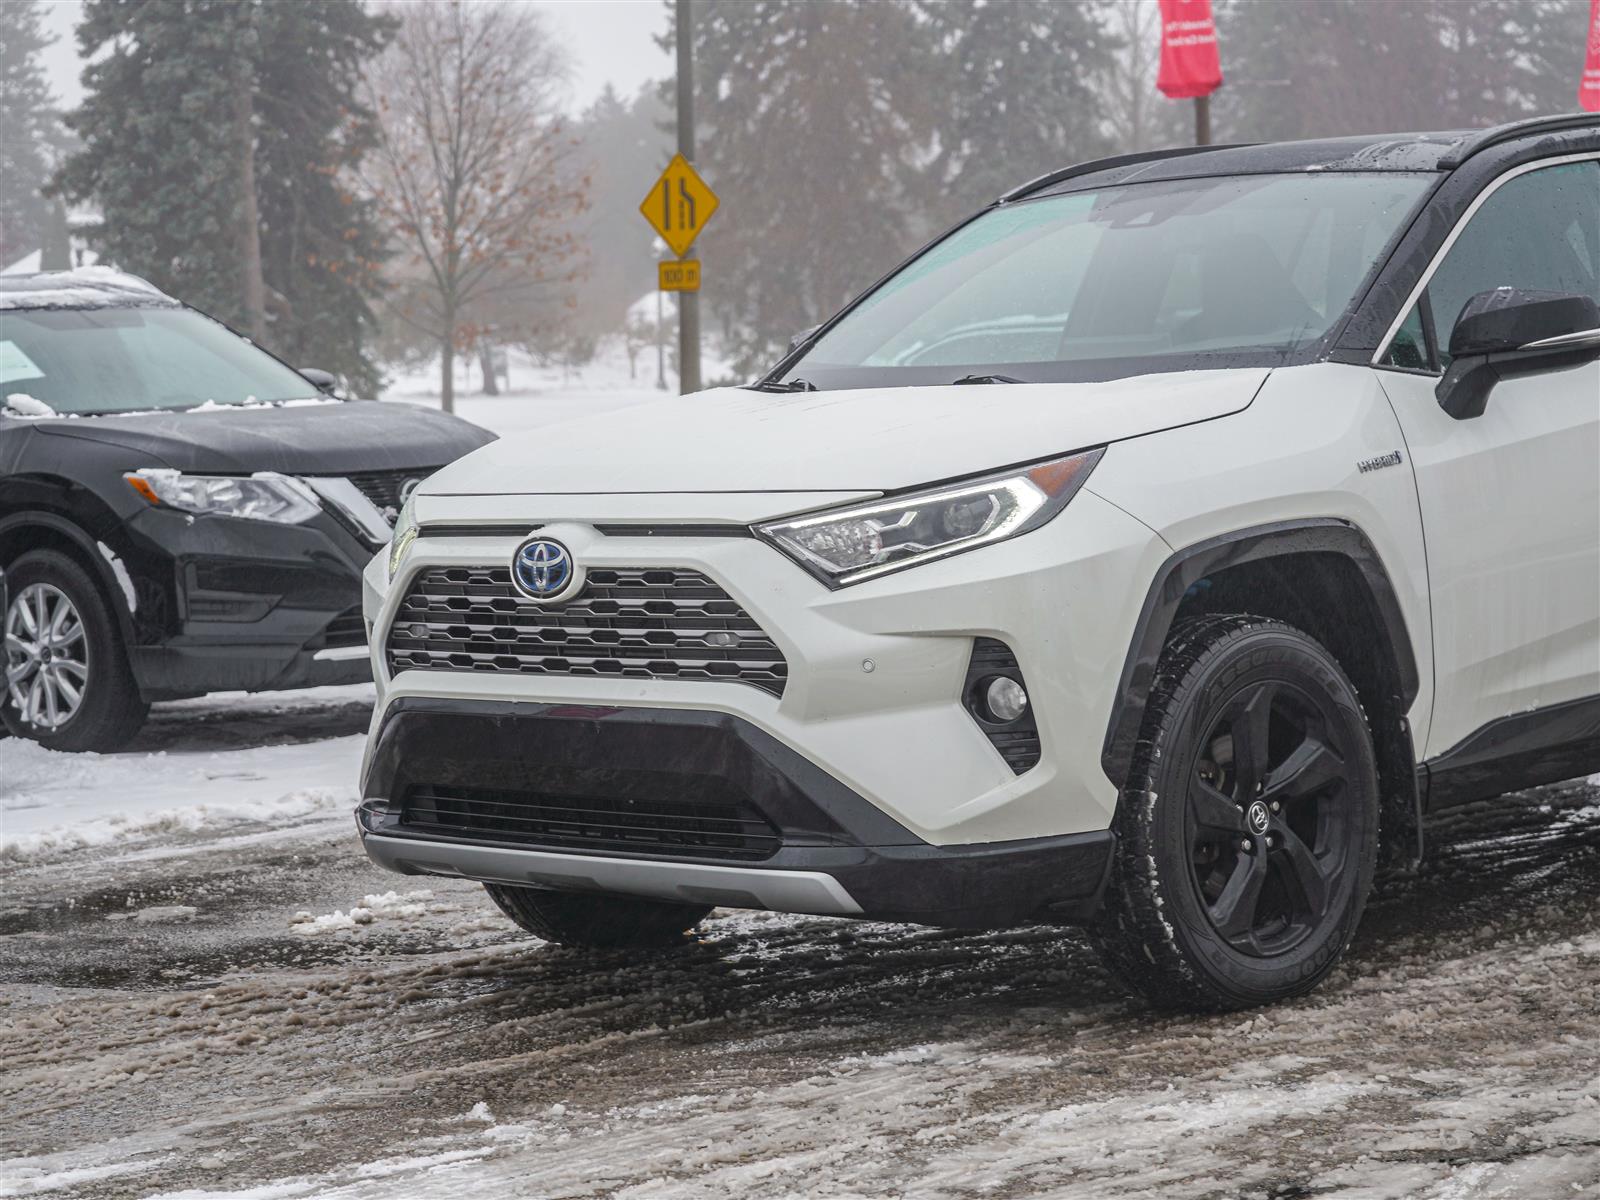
pixel 180 512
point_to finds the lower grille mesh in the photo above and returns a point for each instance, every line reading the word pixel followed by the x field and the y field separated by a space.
pixel 709 827
pixel 659 624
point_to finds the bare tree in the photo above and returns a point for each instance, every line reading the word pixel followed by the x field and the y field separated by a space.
pixel 473 171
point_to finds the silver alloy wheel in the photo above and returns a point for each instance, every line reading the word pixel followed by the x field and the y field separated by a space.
pixel 46 656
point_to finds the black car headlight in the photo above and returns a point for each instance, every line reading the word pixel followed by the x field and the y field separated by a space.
pixel 405 532
pixel 848 545
pixel 266 496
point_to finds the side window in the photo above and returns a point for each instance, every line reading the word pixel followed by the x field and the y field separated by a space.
pixel 1539 231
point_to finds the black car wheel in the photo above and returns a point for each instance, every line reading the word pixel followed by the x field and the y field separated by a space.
pixel 1248 831
pixel 67 681
pixel 597 922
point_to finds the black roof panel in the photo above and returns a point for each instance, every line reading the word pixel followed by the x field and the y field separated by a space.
pixel 1373 152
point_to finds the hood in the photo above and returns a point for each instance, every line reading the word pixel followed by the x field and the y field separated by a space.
pixel 868 439
pixel 311 439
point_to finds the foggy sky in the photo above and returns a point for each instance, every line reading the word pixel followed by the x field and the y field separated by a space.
pixel 610 41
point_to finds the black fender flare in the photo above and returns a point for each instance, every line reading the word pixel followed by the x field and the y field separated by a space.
pixel 1189 565
pixel 101 569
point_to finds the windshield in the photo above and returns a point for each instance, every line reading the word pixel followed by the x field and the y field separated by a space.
pixel 111 360
pixel 1243 271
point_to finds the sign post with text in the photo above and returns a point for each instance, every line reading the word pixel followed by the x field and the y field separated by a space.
pixel 1191 68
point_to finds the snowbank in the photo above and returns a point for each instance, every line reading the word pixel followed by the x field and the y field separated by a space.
pixel 137 803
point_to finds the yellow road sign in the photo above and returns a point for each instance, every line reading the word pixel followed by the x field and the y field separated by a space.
pixel 680 276
pixel 679 205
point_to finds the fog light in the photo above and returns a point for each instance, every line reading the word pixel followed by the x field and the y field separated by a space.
pixel 1005 699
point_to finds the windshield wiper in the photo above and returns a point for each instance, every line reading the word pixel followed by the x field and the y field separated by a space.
pixel 787 385
pixel 987 379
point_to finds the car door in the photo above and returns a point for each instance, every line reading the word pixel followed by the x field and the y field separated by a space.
pixel 1510 499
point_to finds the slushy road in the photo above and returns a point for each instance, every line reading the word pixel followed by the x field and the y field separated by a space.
pixel 206 990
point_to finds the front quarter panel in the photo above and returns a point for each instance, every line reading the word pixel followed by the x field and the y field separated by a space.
pixel 1294 454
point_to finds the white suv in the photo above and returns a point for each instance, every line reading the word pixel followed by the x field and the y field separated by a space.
pixel 1151 551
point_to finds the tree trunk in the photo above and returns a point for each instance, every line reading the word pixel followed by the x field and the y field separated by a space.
pixel 56 252
pixel 255 290
pixel 491 386
pixel 447 373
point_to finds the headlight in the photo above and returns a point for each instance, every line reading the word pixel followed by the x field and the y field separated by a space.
pixel 263 497
pixel 405 532
pixel 864 541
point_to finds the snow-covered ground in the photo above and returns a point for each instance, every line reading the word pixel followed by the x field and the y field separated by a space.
pixel 199 765
pixel 539 395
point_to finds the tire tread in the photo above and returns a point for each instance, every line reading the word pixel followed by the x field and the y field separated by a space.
pixel 1135 939
pixel 597 922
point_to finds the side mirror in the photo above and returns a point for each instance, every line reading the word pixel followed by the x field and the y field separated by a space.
pixel 1506 332
pixel 323 381
pixel 801 338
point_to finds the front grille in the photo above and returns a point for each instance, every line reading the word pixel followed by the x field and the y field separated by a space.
pixel 706 827
pixel 383 487
pixel 637 624
pixel 347 629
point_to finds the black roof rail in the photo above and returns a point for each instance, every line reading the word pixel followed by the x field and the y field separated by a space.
pixel 1480 140
pixel 1106 164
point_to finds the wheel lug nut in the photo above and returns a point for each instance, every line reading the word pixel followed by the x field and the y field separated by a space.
pixel 1276 806
pixel 1244 844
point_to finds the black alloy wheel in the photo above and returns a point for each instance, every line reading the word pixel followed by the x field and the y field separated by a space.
pixel 1247 831
pixel 1268 832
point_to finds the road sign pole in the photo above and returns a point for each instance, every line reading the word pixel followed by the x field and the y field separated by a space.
pixel 688 302
pixel 661 350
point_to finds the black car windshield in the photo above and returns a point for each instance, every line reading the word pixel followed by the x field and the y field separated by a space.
pixel 116 360
pixel 1238 271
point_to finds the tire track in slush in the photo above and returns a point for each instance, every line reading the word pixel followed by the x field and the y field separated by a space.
pixel 781 1055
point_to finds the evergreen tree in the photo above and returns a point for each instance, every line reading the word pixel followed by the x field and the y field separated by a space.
pixel 841 135
pixel 28 130
pixel 1016 94
pixel 1370 66
pixel 624 145
pixel 812 122
pixel 322 242
pixel 170 145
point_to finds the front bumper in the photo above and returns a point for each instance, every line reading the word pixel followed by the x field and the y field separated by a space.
pixel 835 854
pixel 220 604
pixel 876 671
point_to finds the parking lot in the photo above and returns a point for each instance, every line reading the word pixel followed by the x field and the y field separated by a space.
pixel 225 998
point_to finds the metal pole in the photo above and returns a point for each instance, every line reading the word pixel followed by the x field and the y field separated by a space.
pixel 688 302
pixel 661 347
pixel 1202 120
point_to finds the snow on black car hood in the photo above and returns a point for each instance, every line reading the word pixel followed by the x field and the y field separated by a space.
pixel 738 440
pixel 313 439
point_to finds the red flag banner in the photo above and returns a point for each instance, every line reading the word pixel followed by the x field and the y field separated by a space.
pixel 1190 66
pixel 1589 88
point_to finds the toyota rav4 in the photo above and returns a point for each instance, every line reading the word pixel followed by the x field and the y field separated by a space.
pixel 1151 551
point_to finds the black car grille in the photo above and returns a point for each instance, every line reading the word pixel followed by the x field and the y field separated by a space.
pixel 633 623
pixel 347 629
pixel 383 487
pixel 706 827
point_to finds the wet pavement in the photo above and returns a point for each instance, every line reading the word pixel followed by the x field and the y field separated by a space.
pixel 255 1010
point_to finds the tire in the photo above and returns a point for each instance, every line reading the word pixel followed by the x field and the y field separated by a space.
pixel 109 710
pixel 597 922
pixel 1194 919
